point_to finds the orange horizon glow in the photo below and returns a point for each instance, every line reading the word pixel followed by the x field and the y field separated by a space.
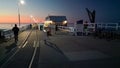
pixel 14 19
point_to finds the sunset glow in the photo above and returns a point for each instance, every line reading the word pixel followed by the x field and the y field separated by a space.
pixel 74 10
pixel 14 19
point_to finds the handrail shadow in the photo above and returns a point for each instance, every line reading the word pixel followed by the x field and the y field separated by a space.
pixel 52 45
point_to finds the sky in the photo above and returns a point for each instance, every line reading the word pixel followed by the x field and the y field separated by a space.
pixel 74 10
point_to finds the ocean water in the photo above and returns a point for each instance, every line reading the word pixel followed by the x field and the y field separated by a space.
pixel 6 29
pixel 10 26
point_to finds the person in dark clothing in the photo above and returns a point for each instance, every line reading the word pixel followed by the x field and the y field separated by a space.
pixel 15 29
pixel 56 28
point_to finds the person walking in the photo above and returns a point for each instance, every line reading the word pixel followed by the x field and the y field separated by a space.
pixel 15 29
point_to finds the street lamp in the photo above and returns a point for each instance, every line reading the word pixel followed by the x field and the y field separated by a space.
pixel 21 2
pixel 33 19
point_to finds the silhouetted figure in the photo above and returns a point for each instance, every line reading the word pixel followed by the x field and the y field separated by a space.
pixel 15 29
pixel 56 28
pixel 30 26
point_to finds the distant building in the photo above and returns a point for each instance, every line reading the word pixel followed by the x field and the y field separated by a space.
pixel 56 20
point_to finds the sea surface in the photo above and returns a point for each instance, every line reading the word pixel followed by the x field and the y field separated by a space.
pixel 10 26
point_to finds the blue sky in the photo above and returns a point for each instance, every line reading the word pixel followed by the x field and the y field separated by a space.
pixel 106 10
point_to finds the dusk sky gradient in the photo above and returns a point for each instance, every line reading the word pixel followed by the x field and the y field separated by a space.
pixel 106 10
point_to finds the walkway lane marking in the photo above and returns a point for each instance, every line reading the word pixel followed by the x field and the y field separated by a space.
pixel 34 44
pixel 30 65
pixel 37 43
pixel 20 46
pixel 25 44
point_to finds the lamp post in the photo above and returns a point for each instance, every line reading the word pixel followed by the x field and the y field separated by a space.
pixel 22 2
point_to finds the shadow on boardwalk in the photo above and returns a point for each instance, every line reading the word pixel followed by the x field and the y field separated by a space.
pixel 52 45
pixel 9 48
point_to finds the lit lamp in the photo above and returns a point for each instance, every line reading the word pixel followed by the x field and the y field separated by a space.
pixel 22 2
pixel 51 22
pixel 65 22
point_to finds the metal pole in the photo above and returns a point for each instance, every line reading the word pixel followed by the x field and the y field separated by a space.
pixel 19 15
